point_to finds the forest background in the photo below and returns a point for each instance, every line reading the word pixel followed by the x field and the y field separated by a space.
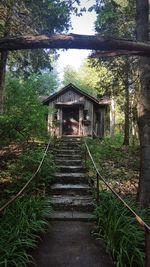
pixel 25 75
pixel 124 154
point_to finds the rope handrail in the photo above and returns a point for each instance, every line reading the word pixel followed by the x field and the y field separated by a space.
pixel 9 202
pixel 137 217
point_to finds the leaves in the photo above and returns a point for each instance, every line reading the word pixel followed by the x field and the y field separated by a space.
pixel 19 227
pixel 119 166
pixel 122 234
pixel 24 117
pixel 20 17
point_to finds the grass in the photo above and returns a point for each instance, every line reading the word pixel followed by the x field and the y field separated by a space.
pixel 20 226
pixel 22 222
pixel 19 169
pixel 123 236
pixel 119 165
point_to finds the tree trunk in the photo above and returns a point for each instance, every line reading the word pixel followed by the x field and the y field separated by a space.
pixel 3 61
pixel 75 41
pixel 127 121
pixel 144 107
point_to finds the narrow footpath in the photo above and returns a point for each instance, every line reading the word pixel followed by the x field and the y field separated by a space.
pixel 68 241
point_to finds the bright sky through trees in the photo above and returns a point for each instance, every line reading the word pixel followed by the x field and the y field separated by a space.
pixel 81 25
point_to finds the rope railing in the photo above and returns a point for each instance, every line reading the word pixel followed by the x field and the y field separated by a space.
pixel 9 202
pixel 137 217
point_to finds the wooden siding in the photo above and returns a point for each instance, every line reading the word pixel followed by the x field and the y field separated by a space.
pixel 73 97
pixel 86 127
pixel 69 96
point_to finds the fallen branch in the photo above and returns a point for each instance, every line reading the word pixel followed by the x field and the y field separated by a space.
pixel 75 41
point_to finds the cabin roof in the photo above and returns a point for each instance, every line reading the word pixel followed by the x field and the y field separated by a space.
pixel 76 89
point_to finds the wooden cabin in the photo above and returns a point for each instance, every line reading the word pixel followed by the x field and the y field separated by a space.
pixel 76 113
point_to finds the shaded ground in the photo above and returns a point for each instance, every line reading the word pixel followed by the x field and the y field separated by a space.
pixel 18 161
pixel 70 244
pixel 119 165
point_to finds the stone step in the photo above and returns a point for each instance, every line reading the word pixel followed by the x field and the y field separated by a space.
pixel 68 151
pixel 69 146
pixel 70 216
pixel 67 156
pixel 68 162
pixel 70 189
pixel 72 144
pixel 73 178
pixel 72 203
pixel 70 139
pixel 70 169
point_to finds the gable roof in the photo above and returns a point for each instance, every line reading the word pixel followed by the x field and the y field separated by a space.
pixel 65 89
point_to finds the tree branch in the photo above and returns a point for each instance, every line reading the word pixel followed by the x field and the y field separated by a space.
pixel 75 41
pixel 115 53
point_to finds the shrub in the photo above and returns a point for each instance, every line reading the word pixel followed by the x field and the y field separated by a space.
pixel 123 236
pixel 19 226
pixel 25 166
pixel 25 116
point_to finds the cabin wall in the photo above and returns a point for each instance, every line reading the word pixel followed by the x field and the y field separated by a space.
pixel 99 122
pixel 89 122
pixel 69 96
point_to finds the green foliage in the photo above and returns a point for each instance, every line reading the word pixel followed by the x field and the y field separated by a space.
pixel 116 18
pixel 123 236
pixel 24 167
pixel 88 79
pixel 111 149
pixel 25 116
pixel 44 84
pixel 32 18
pixel 29 161
pixel 21 223
pixel 19 226
pixel 26 63
pixel 117 164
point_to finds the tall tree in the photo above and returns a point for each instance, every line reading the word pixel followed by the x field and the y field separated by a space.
pixel 116 18
pixel 20 17
pixel 144 104
pixel 89 79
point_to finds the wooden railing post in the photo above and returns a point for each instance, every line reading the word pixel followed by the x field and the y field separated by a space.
pixel 147 247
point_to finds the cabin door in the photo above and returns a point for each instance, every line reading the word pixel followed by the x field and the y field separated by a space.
pixel 70 121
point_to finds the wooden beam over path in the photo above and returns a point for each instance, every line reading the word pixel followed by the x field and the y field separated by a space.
pixel 75 41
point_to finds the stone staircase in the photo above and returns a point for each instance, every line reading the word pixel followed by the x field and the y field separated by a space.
pixel 67 241
pixel 71 198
